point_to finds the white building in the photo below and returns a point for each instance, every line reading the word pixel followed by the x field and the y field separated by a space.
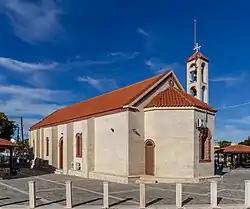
pixel 151 130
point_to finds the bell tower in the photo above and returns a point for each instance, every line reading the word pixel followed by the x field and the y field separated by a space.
pixel 197 73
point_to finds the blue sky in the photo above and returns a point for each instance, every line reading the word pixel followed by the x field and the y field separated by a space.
pixel 57 52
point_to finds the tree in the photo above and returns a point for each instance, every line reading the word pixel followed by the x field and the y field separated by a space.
pixel 224 143
pixel 7 127
pixel 246 142
pixel 24 144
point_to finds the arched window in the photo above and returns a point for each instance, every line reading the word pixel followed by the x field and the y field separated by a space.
pixel 202 72
pixel 203 90
pixel 193 91
pixel 47 146
pixel 193 76
pixel 78 145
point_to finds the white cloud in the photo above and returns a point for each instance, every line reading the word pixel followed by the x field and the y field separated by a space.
pixel 103 84
pixel 33 21
pixel 33 67
pixel 142 32
pixel 231 132
pixel 125 56
pixel 149 40
pixel 36 73
pixel 110 58
pixel 151 64
pixel 31 93
pixel 159 66
pixel 20 66
pixel 32 103
pixel 229 80
pixel 241 120
pixel 225 107
pixel 27 108
pixel 224 79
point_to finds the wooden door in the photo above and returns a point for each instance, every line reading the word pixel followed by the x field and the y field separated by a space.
pixel 149 158
pixel 61 154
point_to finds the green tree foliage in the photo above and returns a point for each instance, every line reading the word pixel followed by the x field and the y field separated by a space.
pixel 224 143
pixel 246 142
pixel 24 144
pixel 7 127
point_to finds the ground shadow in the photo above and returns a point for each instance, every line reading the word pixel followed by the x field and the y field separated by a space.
pixel 219 200
pixel 4 198
pixel 220 172
pixel 186 201
pixel 49 203
pixel 86 202
pixel 154 201
pixel 13 203
pixel 120 202
pixel 25 171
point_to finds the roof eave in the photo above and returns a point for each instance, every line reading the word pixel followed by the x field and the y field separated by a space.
pixel 191 107
pixel 35 127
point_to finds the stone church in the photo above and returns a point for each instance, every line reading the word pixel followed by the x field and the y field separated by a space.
pixel 150 130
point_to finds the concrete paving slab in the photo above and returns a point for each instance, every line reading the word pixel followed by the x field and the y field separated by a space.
pixel 88 193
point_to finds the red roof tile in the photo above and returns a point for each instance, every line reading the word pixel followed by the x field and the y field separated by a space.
pixel 173 97
pixel 6 143
pixel 114 100
pixel 237 149
pixel 197 55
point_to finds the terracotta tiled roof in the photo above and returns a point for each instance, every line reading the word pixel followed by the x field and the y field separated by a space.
pixel 197 55
pixel 237 149
pixel 114 100
pixel 5 143
pixel 173 97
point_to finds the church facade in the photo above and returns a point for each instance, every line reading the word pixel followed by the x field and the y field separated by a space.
pixel 150 130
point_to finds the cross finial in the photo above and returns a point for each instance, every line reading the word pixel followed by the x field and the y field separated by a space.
pixel 196 45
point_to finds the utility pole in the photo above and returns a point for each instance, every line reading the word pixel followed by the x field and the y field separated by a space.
pixel 18 134
pixel 22 129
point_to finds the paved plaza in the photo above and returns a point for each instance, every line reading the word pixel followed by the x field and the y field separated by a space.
pixel 51 191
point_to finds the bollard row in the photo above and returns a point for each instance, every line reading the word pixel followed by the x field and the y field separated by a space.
pixel 142 187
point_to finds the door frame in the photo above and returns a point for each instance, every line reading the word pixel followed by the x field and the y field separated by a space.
pixel 149 143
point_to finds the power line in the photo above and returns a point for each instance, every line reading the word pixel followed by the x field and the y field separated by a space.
pixel 22 129
pixel 234 106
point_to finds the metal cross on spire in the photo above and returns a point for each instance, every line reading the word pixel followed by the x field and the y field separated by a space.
pixel 196 45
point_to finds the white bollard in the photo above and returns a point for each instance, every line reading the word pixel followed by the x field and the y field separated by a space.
pixel 142 196
pixel 178 195
pixel 105 194
pixel 247 193
pixel 68 194
pixel 213 194
pixel 32 194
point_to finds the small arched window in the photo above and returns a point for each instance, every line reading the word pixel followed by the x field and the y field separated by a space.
pixel 203 91
pixel 78 145
pixel 193 91
pixel 202 72
pixel 47 146
pixel 193 76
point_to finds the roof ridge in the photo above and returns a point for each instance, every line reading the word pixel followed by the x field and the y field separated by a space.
pixel 91 105
pixel 189 98
pixel 175 97
pixel 183 96
pixel 159 75
pixel 46 117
